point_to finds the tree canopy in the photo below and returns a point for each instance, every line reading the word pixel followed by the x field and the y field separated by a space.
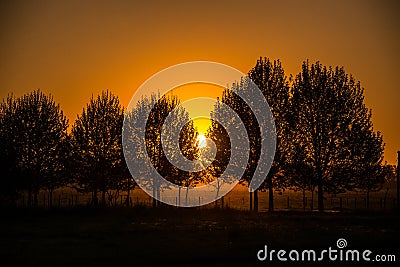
pixel 333 128
pixel 34 139
pixel 99 164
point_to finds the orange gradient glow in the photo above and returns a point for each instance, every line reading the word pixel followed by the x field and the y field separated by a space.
pixel 73 49
pixel 193 90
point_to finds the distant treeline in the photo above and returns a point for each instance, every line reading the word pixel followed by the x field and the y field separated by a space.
pixel 325 139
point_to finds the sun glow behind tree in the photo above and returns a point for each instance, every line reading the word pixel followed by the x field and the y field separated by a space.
pixel 201 141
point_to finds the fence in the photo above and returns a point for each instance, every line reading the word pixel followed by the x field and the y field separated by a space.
pixel 296 201
pixel 236 199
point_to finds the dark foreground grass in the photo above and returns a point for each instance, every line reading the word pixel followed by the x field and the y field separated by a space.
pixel 183 237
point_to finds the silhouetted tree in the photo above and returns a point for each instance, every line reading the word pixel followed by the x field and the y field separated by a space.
pixel 10 180
pixel 158 109
pixel 236 103
pixel 391 181
pixel 271 80
pixel 188 145
pixel 328 114
pixel 34 136
pixel 298 171
pixel 367 153
pixel 99 164
pixel 232 99
pixel 220 136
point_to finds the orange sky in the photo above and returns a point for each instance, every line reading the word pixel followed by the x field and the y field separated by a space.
pixel 72 49
pixel 192 90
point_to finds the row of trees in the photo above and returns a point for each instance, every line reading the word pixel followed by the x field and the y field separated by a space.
pixel 38 152
pixel 325 139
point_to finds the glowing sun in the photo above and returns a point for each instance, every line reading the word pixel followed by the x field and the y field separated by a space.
pixel 201 141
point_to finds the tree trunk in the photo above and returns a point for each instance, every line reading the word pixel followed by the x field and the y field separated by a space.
pixel 128 195
pixel 95 198
pixel 251 201
pixel 256 200
pixel 35 198
pixel 154 195
pixel 186 197
pixel 270 199
pixel 103 198
pixel 179 197
pixel 158 197
pixel 367 198
pixel 304 199
pixel 218 188
pixel 386 194
pixel 320 195
pixel 29 204
pixel 50 198
pixel 312 200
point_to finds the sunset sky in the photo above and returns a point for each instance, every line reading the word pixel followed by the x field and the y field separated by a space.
pixel 73 49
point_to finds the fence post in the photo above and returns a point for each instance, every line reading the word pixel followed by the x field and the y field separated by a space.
pixel 398 179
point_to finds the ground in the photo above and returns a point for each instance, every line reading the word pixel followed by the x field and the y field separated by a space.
pixel 165 236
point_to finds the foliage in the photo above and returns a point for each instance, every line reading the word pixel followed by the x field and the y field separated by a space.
pixel 158 109
pixel 34 139
pixel 333 129
pixel 271 80
pixel 99 165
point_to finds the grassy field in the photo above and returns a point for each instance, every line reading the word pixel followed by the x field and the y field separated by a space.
pixel 165 236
